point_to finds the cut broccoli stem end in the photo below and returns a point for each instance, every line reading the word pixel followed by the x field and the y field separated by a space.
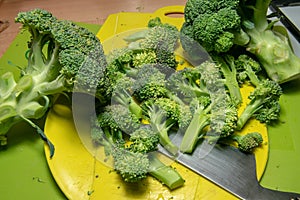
pixel 165 174
pixel 275 55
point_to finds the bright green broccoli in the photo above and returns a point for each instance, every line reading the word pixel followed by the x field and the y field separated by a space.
pixel 216 25
pixel 263 105
pixel 228 70
pixel 133 159
pixel 248 70
pixel 63 57
pixel 132 166
pixel 116 118
pixel 163 114
pixel 160 38
pixel 248 142
pixel 145 140
pixel 150 83
pixel 213 113
pixel 219 26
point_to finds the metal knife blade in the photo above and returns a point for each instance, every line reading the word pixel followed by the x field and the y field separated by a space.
pixel 230 169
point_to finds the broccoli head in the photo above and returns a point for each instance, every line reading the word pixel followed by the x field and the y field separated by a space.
pixel 63 57
pixel 222 26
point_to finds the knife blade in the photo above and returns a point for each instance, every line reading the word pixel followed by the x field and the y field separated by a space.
pixel 228 168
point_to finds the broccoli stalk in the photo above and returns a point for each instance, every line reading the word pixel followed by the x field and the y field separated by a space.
pixel 228 69
pixel 248 70
pixel 272 49
pixel 195 130
pixel 263 105
pixel 166 174
pixel 162 123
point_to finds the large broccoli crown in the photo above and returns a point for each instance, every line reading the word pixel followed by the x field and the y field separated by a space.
pixel 216 25
pixel 215 31
pixel 60 47
pixel 195 7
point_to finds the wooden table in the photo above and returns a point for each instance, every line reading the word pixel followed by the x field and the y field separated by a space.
pixel 88 11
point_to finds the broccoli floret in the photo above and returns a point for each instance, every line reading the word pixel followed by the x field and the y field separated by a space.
pixel 159 38
pixel 216 25
pixel 248 142
pixel 213 113
pixel 149 83
pixel 248 70
pixel 136 159
pixel 219 26
pixel 132 166
pixel 117 118
pixel 123 94
pixel 187 84
pixel 163 114
pixel 145 140
pixel 264 103
pixel 63 57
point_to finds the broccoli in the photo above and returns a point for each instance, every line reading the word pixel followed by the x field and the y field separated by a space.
pixel 117 118
pixel 123 94
pixel 145 140
pixel 63 57
pixel 163 114
pixel 228 69
pixel 220 26
pixel 159 38
pixel 249 70
pixel 132 166
pixel 214 110
pixel 133 159
pixel 150 83
pixel 263 105
pixel 247 142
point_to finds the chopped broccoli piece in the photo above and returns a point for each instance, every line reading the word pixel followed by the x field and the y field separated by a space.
pixel 248 70
pixel 248 142
pixel 135 160
pixel 264 103
pixel 214 110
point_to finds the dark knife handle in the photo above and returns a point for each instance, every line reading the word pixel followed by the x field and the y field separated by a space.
pixel 261 193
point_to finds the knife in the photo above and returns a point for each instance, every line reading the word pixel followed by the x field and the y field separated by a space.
pixel 228 168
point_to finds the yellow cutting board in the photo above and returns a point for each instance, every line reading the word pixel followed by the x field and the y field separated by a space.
pixel 81 176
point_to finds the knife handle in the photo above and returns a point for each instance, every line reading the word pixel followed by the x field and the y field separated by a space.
pixel 261 193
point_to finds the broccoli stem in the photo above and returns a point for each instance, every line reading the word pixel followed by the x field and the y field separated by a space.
pixel 248 112
pixel 275 54
pixel 191 136
pixel 260 14
pixel 166 142
pixel 165 174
